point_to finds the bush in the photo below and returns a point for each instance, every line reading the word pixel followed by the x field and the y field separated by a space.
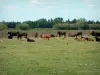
pixel 73 26
pixel 23 26
pixel 62 26
pixel 11 24
pixel 82 24
pixel 3 26
pixel 66 26
pixel 94 26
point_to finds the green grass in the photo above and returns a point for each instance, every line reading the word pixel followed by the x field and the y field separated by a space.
pixel 49 57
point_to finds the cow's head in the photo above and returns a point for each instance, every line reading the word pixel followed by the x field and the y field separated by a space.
pixel 9 33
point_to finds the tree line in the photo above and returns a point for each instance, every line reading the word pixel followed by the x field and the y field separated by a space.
pixel 57 23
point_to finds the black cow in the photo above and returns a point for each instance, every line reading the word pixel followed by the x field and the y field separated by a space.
pixel 75 35
pixel 93 33
pixel 12 33
pixel 60 33
pixel 18 34
pixel 29 40
pixel 97 39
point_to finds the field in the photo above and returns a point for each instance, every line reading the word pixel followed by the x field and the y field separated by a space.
pixel 49 57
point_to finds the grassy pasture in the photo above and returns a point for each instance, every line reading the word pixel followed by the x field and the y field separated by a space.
pixel 49 57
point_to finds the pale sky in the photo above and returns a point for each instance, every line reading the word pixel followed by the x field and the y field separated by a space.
pixel 22 10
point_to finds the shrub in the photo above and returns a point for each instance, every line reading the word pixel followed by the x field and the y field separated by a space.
pixel 3 26
pixel 94 26
pixel 23 26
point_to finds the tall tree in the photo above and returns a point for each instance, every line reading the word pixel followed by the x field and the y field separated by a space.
pixel 42 23
pixel 82 23
pixel 31 24
pixel 97 22
pixel 68 21
pixel 58 20
pixel 74 21
pixel 11 24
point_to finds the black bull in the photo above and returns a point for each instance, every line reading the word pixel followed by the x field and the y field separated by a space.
pixel 93 33
pixel 18 34
pixel 60 33
pixel 75 35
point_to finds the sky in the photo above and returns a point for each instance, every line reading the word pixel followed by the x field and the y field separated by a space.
pixel 22 10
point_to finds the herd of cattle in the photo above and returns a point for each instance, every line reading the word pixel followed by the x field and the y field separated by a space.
pixel 78 36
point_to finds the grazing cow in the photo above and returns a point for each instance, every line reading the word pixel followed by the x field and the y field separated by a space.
pixel 36 35
pixel 46 36
pixel 93 33
pixel 18 34
pixel 75 35
pixel 12 33
pixel 60 33
pixel 29 40
pixel 97 39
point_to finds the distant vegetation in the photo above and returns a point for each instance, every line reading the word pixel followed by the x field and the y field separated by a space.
pixel 57 23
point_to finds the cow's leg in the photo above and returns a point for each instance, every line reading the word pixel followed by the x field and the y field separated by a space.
pixel 18 37
pixel 44 38
pixel 11 37
pixel 64 36
pixel 59 35
pixel 76 36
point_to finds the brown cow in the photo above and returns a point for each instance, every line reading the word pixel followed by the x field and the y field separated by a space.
pixel 84 39
pixel 75 35
pixel 46 36
pixel 94 33
pixel 80 38
pixel 60 33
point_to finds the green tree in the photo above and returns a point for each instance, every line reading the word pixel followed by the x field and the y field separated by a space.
pixel 94 26
pixel 74 21
pixel 58 20
pixel 97 22
pixel 50 25
pixel 31 23
pixel 42 23
pixel 11 24
pixel 82 24
pixel 62 26
pixel 68 21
